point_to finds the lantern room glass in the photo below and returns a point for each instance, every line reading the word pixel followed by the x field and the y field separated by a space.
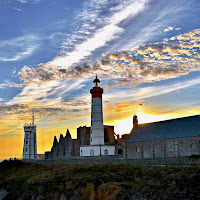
pixel 96 84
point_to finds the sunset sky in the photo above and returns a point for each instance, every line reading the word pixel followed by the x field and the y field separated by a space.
pixel 146 54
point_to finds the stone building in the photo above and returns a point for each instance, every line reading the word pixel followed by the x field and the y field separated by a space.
pixel 30 141
pixel 67 147
pixel 97 140
pixel 170 138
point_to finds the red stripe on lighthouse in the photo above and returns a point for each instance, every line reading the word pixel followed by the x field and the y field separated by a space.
pixel 96 92
pixel 97 95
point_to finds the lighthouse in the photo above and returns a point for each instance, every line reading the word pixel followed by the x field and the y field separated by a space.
pixel 97 146
pixel 30 142
pixel 97 129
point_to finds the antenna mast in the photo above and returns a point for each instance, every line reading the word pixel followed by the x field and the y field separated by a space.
pixel 32 117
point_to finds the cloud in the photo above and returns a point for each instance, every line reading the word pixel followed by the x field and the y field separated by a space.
pixel 28 1
pixel 18 48
pixel 109 31
pixel 156 61
pixel 146 92
pixel 170 28
pixel 8 84
pixel 47 92
pixel 145 63
pixel 47 86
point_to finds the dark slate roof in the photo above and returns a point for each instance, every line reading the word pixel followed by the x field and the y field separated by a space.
pixel 174 128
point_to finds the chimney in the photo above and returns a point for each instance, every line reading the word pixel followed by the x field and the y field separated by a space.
pixel 135 120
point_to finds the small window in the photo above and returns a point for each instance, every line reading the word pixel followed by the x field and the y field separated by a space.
pixel 81 152
pixel 137 149
pixel 192 146
pixel 91 152
pixel 170 146
pixel 120 151
pixel 106 152
pixel 26 142
pixel 26 150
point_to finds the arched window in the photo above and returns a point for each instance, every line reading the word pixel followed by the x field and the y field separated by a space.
pixel 105 152
pixel 120 151
pixel 91 152
pixel 137 149
pixel 81 152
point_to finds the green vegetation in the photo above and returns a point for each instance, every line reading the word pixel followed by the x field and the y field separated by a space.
pixel 97 181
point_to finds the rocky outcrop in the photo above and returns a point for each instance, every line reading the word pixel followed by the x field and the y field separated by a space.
pixel 2 193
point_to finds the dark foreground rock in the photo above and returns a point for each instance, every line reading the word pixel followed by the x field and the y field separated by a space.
pixel 34 181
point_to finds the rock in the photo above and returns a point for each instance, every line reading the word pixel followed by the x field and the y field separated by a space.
pixel 3 193
pixel 107 191
pixel 89 192
pixel 62 197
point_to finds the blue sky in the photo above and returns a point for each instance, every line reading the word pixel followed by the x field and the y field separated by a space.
pixel 145 52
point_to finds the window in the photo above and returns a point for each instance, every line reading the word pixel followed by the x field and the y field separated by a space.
pixel 120 151
pixel 26 150
pixel 137 149
pixel 91 152
pixel 170 146
pixel 81 152
pixel 106 135
pixel 105 152
pixel 26 141
pixel 192 146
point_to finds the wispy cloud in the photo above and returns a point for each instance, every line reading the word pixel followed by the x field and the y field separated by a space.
pixel 154 62
pixel 47 93
pixel 146 92
pixel 110 30
pixel 18 48
pixel 28 1
pixel 7 84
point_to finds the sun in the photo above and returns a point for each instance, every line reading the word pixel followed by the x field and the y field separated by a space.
pixel 125 126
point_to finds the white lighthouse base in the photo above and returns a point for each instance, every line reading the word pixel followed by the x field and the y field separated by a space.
pixel 97 150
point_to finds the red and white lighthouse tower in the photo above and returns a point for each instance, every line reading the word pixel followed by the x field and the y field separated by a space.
pixel 97 129
pixel 97 146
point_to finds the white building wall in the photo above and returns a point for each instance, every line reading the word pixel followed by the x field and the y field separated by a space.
pixel 30 143
pixel 97 128
pixel 95 150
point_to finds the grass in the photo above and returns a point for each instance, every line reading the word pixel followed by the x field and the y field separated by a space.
pixel 77 181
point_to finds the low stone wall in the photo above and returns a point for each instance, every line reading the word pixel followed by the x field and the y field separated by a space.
pixel 173 161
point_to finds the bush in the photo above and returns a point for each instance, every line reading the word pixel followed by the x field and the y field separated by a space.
pixel 195 156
